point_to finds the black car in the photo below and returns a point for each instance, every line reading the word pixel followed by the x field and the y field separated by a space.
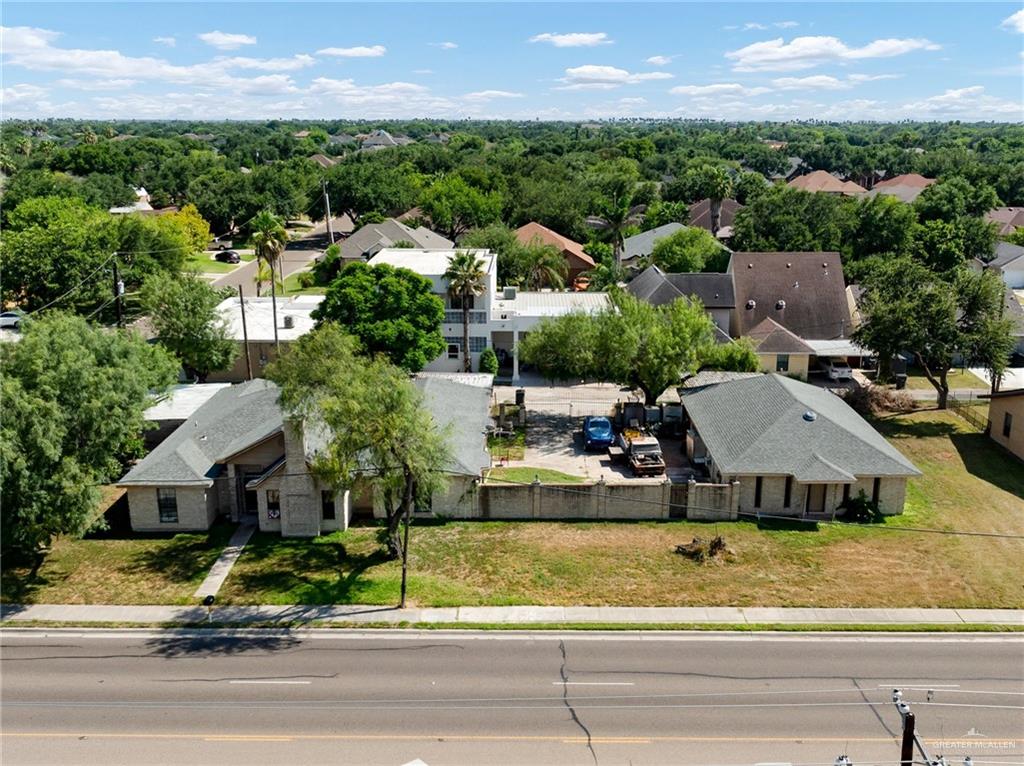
pixel 228 256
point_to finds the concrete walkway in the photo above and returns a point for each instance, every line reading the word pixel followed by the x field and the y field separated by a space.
pixel 222 566
pixel 510 615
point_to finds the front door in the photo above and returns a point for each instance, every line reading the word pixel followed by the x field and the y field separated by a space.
pixel 816 498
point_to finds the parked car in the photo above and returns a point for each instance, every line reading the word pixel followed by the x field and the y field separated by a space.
pixel 836 369
pixel 597 433
pixel 12 318
pixel 228 256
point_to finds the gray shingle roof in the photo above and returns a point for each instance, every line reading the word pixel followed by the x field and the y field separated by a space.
pixel 376 236
pixel 1005 254
pixel 655 286
pixel 233 419
pixel 757 426
pixel 642 244
pixel 464 410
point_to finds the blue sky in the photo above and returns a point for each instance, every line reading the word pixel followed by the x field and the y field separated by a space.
pixel 517 60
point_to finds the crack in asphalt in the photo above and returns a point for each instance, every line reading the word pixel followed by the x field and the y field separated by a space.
pixel 572 711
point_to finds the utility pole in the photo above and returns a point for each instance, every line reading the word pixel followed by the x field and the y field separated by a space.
pixel 119 296
pixel 907 746
pixel 910 736
pixel 245 336
pixel 327 207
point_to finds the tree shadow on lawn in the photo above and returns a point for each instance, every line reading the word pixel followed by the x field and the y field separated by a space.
pixel 308 573
pixel 891 427
pixel 185 557
pixel 989 462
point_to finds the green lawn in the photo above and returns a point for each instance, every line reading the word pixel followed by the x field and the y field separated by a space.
pixel 133 570
pixel 916 381
pixel 205 263
pixel 969 483
pixel 292 286
pixel 508 447
pixel 525 474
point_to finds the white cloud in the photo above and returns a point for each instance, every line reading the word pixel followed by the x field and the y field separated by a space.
pixel 786 24
pixel 572 39
pixel 659 60
pixel 226 41
pixel 482 95
pixel 298 61
pixel 596 77
pixel 807 52
pixel 358 52
pixel 423 71
pixel 445 45
pixel 1014 23
pixel 827 82
pixel 21 93
pixel 170 42
pixel 718 89
pixel 96 85
pixel 971 103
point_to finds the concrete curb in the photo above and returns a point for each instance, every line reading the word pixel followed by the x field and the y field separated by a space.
pixel 510 615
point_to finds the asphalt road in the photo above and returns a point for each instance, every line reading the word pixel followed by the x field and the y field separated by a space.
pixel 333 697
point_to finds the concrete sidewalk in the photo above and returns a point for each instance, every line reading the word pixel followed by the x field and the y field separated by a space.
pixel 222 566
pixel 509 615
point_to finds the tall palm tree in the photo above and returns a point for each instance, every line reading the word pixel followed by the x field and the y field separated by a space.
pixel 466 279
pixel 714 183
pixel 264 275
pixel 617 214
pixel 543 266
pixel 269 238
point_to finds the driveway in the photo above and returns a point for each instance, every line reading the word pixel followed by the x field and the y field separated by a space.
pixel 554 440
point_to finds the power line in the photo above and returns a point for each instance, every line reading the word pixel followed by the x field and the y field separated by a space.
pixel 76 287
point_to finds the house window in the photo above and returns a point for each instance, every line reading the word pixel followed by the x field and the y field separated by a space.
pixel 876 490
pixel 456 302
pixel 167 503
pixel 477 343
pixel 789 491
pixel 327 505
pixel 1007 424
pixel 782 363
pixel 454 350
pixel 757 491
pixel 273 504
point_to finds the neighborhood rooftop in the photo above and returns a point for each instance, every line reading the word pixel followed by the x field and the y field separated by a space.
pixel 293 317
pixel 774 425
pixel 658 287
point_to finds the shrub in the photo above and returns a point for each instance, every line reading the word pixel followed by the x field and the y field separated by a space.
pixel 861 510
pixel 306 279
pixel 488 361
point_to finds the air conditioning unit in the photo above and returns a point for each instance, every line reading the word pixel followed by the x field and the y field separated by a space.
pixel 510 293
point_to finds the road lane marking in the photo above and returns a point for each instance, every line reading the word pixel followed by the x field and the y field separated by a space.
pixel 592 683
pixel 245 738
pixel 256 681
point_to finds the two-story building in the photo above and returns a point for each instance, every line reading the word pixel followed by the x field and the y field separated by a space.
pixel 497 318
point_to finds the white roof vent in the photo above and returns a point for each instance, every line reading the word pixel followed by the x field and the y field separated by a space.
pixel 751 304
pixel 780 305
pixel 810 416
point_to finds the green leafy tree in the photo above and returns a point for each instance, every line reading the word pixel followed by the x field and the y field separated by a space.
pixel 368 184
pixel 378 427
pixel 391 311
pixel 183 310
pixel 936 317
pixel 454 206
pixel 788 219
pixel 689 249
pixel 633 343
pixel 501 241
pixel 737 356
pixel 74 397
pixel 466 280
pixel 659 213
